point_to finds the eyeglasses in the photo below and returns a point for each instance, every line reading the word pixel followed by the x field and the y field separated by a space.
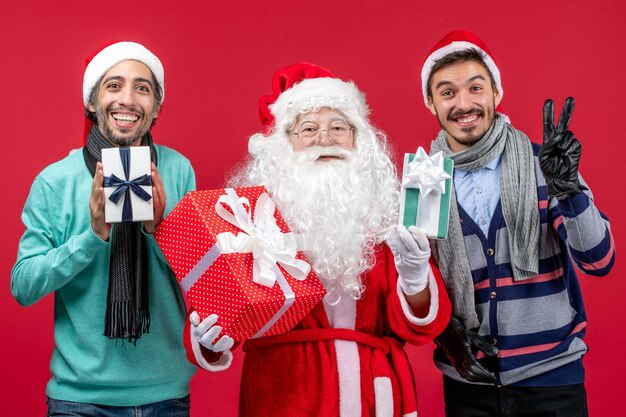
pixel 338 133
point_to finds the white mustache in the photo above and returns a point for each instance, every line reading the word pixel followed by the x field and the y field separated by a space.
pixel 314 152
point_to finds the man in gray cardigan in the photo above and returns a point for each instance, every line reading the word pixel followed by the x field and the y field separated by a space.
pixel 521 217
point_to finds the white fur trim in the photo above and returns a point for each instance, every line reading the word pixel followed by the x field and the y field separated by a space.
pixel 455 47
pixel 383 396
pixel 349 371
pixel 222 364
pixel 113 55
pixel 343 315
pixel 434 303
pixel 315 93
pixel 413 414
pixel 256 144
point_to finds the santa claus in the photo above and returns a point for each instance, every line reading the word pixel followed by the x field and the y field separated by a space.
pixel 329 172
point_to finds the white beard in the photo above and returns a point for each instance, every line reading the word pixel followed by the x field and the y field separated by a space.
pixel 344 207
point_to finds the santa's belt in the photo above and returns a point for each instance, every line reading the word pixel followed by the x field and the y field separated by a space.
pixel 386 344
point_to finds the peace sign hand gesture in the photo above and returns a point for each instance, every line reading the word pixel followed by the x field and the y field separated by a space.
pixel 560 152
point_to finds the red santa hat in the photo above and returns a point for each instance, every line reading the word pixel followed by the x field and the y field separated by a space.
pixel 106 58
pixel 459 40
pixel 113 54
pixel 303 87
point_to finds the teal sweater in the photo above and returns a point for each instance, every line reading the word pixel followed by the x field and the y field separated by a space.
pixel 60 253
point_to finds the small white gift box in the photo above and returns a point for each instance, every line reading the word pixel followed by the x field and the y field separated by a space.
pixel 127 184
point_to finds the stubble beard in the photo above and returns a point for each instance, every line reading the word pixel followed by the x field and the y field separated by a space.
pixel 117 140
pixel 472 135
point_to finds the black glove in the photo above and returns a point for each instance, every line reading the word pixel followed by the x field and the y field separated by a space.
pixel 459 344
pixel 560 152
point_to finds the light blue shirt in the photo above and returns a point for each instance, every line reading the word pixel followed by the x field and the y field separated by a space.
pixel 478 192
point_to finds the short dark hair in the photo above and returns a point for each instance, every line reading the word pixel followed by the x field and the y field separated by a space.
pixel 158 96
pixel 452 58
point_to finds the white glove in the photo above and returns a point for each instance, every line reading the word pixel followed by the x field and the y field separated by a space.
pixel 205 333
pixel 411 252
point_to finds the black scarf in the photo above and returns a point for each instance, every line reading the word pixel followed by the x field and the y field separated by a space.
pixel 127 314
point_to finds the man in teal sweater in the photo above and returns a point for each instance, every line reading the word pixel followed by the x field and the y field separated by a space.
pixel 118 312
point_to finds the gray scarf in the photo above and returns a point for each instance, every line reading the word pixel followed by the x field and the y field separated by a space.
pixel 518 195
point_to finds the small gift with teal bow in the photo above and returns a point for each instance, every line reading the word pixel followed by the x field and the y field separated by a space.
pixel 425 192
pixel 127 184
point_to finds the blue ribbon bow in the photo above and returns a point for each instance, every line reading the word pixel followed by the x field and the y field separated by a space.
pixel 125 186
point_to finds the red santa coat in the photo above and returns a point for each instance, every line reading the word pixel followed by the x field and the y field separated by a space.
pixel 342 360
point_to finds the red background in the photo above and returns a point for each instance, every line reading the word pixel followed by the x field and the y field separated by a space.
pixel 219 58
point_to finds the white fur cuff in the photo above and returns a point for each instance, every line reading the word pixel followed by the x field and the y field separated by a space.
pixel 434 303
pixel 221 365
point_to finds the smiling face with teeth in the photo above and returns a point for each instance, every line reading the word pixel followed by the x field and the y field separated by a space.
pixel 125 103
pixel 464 100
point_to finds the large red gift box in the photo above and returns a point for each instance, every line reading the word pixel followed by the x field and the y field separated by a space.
pixel 234 256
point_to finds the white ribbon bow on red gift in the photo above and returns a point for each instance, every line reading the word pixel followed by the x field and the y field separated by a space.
pixel 262 237
pixel 426 173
